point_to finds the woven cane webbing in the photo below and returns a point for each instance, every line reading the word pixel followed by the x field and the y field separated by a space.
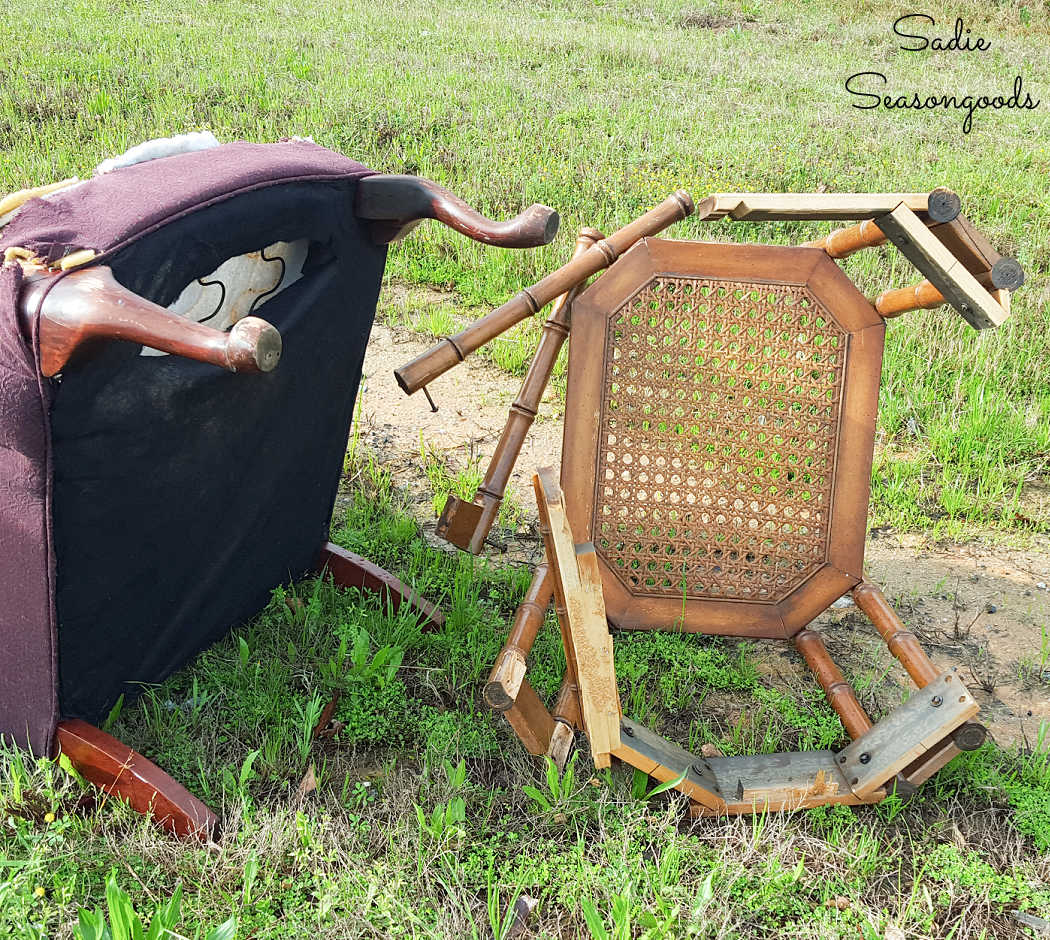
pixel 719 421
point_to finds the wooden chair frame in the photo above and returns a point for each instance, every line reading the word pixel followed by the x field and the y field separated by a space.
pixel 906 747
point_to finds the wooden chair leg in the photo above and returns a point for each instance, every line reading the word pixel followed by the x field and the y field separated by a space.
pixel 840 693
pixel 567 721
pixel 530 720
pixel 352 571
pixel 900 642
pixel 507 675
pixel 119 771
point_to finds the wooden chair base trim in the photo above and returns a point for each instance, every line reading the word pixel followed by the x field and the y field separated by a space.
pixel 121 772
pixel 352 571
pixel 916 738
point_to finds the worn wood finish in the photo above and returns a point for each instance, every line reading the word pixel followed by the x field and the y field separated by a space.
pixel 567 707
pixel 562 739
pixel 587 640
pixel 949 275
pixel 352 571
pixel 454 349
pixel 840 693
pixel 941 205
pixel 394 205
pixel 799 279
pixel 906 733
pixel 664 761
pixel 121 772
pixel 780 783
pixel 531 721
pixel 467 525
pixel 567 720
pixel 88 306
pixel 977 255
pixel 929 762
pixel 509 672
pixel 901 642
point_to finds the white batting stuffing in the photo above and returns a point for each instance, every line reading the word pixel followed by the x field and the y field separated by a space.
pixel 161 147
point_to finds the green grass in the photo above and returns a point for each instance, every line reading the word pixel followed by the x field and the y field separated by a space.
pixel 600 110
pixel 428 819
pixel 421 824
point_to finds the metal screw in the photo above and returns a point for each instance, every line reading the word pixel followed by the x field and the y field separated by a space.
pixel 842 759
pixel 626 729
pixel 864 758
pixel 936 701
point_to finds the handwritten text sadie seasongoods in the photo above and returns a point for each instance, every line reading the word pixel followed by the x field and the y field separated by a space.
pixel 870 86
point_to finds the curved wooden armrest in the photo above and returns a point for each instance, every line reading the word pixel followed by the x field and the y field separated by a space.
pixel 89 305
pixel 396 204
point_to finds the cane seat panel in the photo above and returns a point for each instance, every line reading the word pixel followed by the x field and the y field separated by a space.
pixel 719 429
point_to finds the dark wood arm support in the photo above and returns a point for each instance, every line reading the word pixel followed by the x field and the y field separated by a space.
pixel 82 308
pixel 396 204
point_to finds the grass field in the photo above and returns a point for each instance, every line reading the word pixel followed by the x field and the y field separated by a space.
pixel 421 824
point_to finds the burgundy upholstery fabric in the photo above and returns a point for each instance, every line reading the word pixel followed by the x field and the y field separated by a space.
pixel 107 214
pixel 28 667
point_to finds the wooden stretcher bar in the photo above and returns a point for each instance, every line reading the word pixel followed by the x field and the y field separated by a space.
pixel 839 692
pixel 452 350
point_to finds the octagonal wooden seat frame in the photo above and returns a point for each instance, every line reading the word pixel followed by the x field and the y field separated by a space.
pixel 718 439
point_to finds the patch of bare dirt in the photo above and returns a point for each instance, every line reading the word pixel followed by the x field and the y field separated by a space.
pixel 982 609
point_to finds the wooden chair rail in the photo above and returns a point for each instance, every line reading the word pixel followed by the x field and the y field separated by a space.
pixel 452 350
pixel 941 205
pixel 467 525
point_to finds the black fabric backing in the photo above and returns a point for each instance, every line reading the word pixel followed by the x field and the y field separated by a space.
pixel 183 494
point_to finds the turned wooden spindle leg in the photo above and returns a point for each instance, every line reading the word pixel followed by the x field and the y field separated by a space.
pixel 508 690
pixel 840 693
pixel 844 242
pixel 467 525
pixel 903 645
pixel 508 674
pixel 901 642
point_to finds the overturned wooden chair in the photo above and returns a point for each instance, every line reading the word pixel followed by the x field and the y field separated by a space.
pixel 716 460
